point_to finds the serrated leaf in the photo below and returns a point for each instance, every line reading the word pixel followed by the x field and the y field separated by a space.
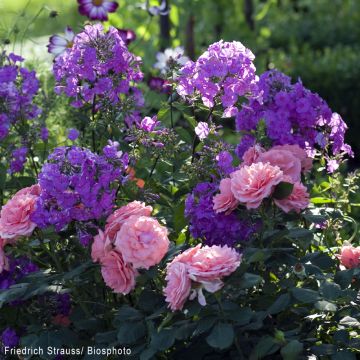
pixel 280 304
pixel 305 295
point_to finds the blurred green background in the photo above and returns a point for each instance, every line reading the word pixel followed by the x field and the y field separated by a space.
pixel 316 40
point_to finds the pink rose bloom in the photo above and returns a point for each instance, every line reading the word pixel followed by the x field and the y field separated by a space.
pixel 4 263
pixel 349 256
pixel 289 164
pixel 101 246
pixel 211 263
pixel 178 285
pixel 117 274
pixel 15 215
pixel 298 200
pixel 225 201
pixel 252 154
pixel 143 241
pixel 298 152
pixel 115 220
pixel 251 184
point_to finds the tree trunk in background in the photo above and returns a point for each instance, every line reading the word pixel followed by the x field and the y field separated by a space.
pixel 190 37
pixel 165 40
pixel 249 12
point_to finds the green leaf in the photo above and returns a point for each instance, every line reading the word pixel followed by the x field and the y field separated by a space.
pixel 129 332
pixel 221 336
pixel 322 200
pixel 344 355
pixel 283 190
pixel 330 290
pixel 324 349
pixel 280 304
pixel 305 295
pixel 126 312
pixel 292 350
pixel 324 305
pixel 163 340
pixel 266 346
pixel 344 278
pixel 249 280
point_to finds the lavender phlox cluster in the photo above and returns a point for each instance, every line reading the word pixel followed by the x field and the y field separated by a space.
pixel 206 224
pixel 225 72
pixel 99 69
pixel 77 184
pixel 292 115
pixel 18 268
pixel 18 86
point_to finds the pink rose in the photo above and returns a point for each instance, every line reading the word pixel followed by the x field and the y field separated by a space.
pixel 298 152
pixel 115 220
pixel 251 184
pixel 349 256
pixel 142 241
pixel 298 200
pixel 15 215
pixel 252 154
pixel 4 262
pixel 289 164
pixel 211 263
pixel 117 274
pixel 203 265
pixel 178 285
pixel 225 201
pixel 101 246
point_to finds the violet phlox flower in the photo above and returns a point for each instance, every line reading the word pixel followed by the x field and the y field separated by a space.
pixel 97 9
pixel 223 73
pixel 213 228
pixel 292 114
pixel 99 68
pixel 18 87
pixel 79 185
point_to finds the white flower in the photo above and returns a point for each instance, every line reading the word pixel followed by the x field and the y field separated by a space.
pixel 59 43
pixel 170 55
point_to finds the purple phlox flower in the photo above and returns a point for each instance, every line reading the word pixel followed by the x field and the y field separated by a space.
pixel 224 163
pixel 99 66
pixel 332 165
pixel 15 58
pixel 44 133
pixel 97 9
pixel 73 134
pixel 78 185
pixel 223 73
pixel 128 35
pixel 293 115
pixel 59 43
pixel 202 130
pixel 213 228
pixel 9 338
pixel 148 124
pixel 18 160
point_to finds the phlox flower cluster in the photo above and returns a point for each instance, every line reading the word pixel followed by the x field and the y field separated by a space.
pixel 99 70
pixel 17 269
pixel 132 240
pixel 292 115
pixel 212 227
pixel 78 185
pixel 223 73
pixel 18 86
pixel 196 269
pixel 258 176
